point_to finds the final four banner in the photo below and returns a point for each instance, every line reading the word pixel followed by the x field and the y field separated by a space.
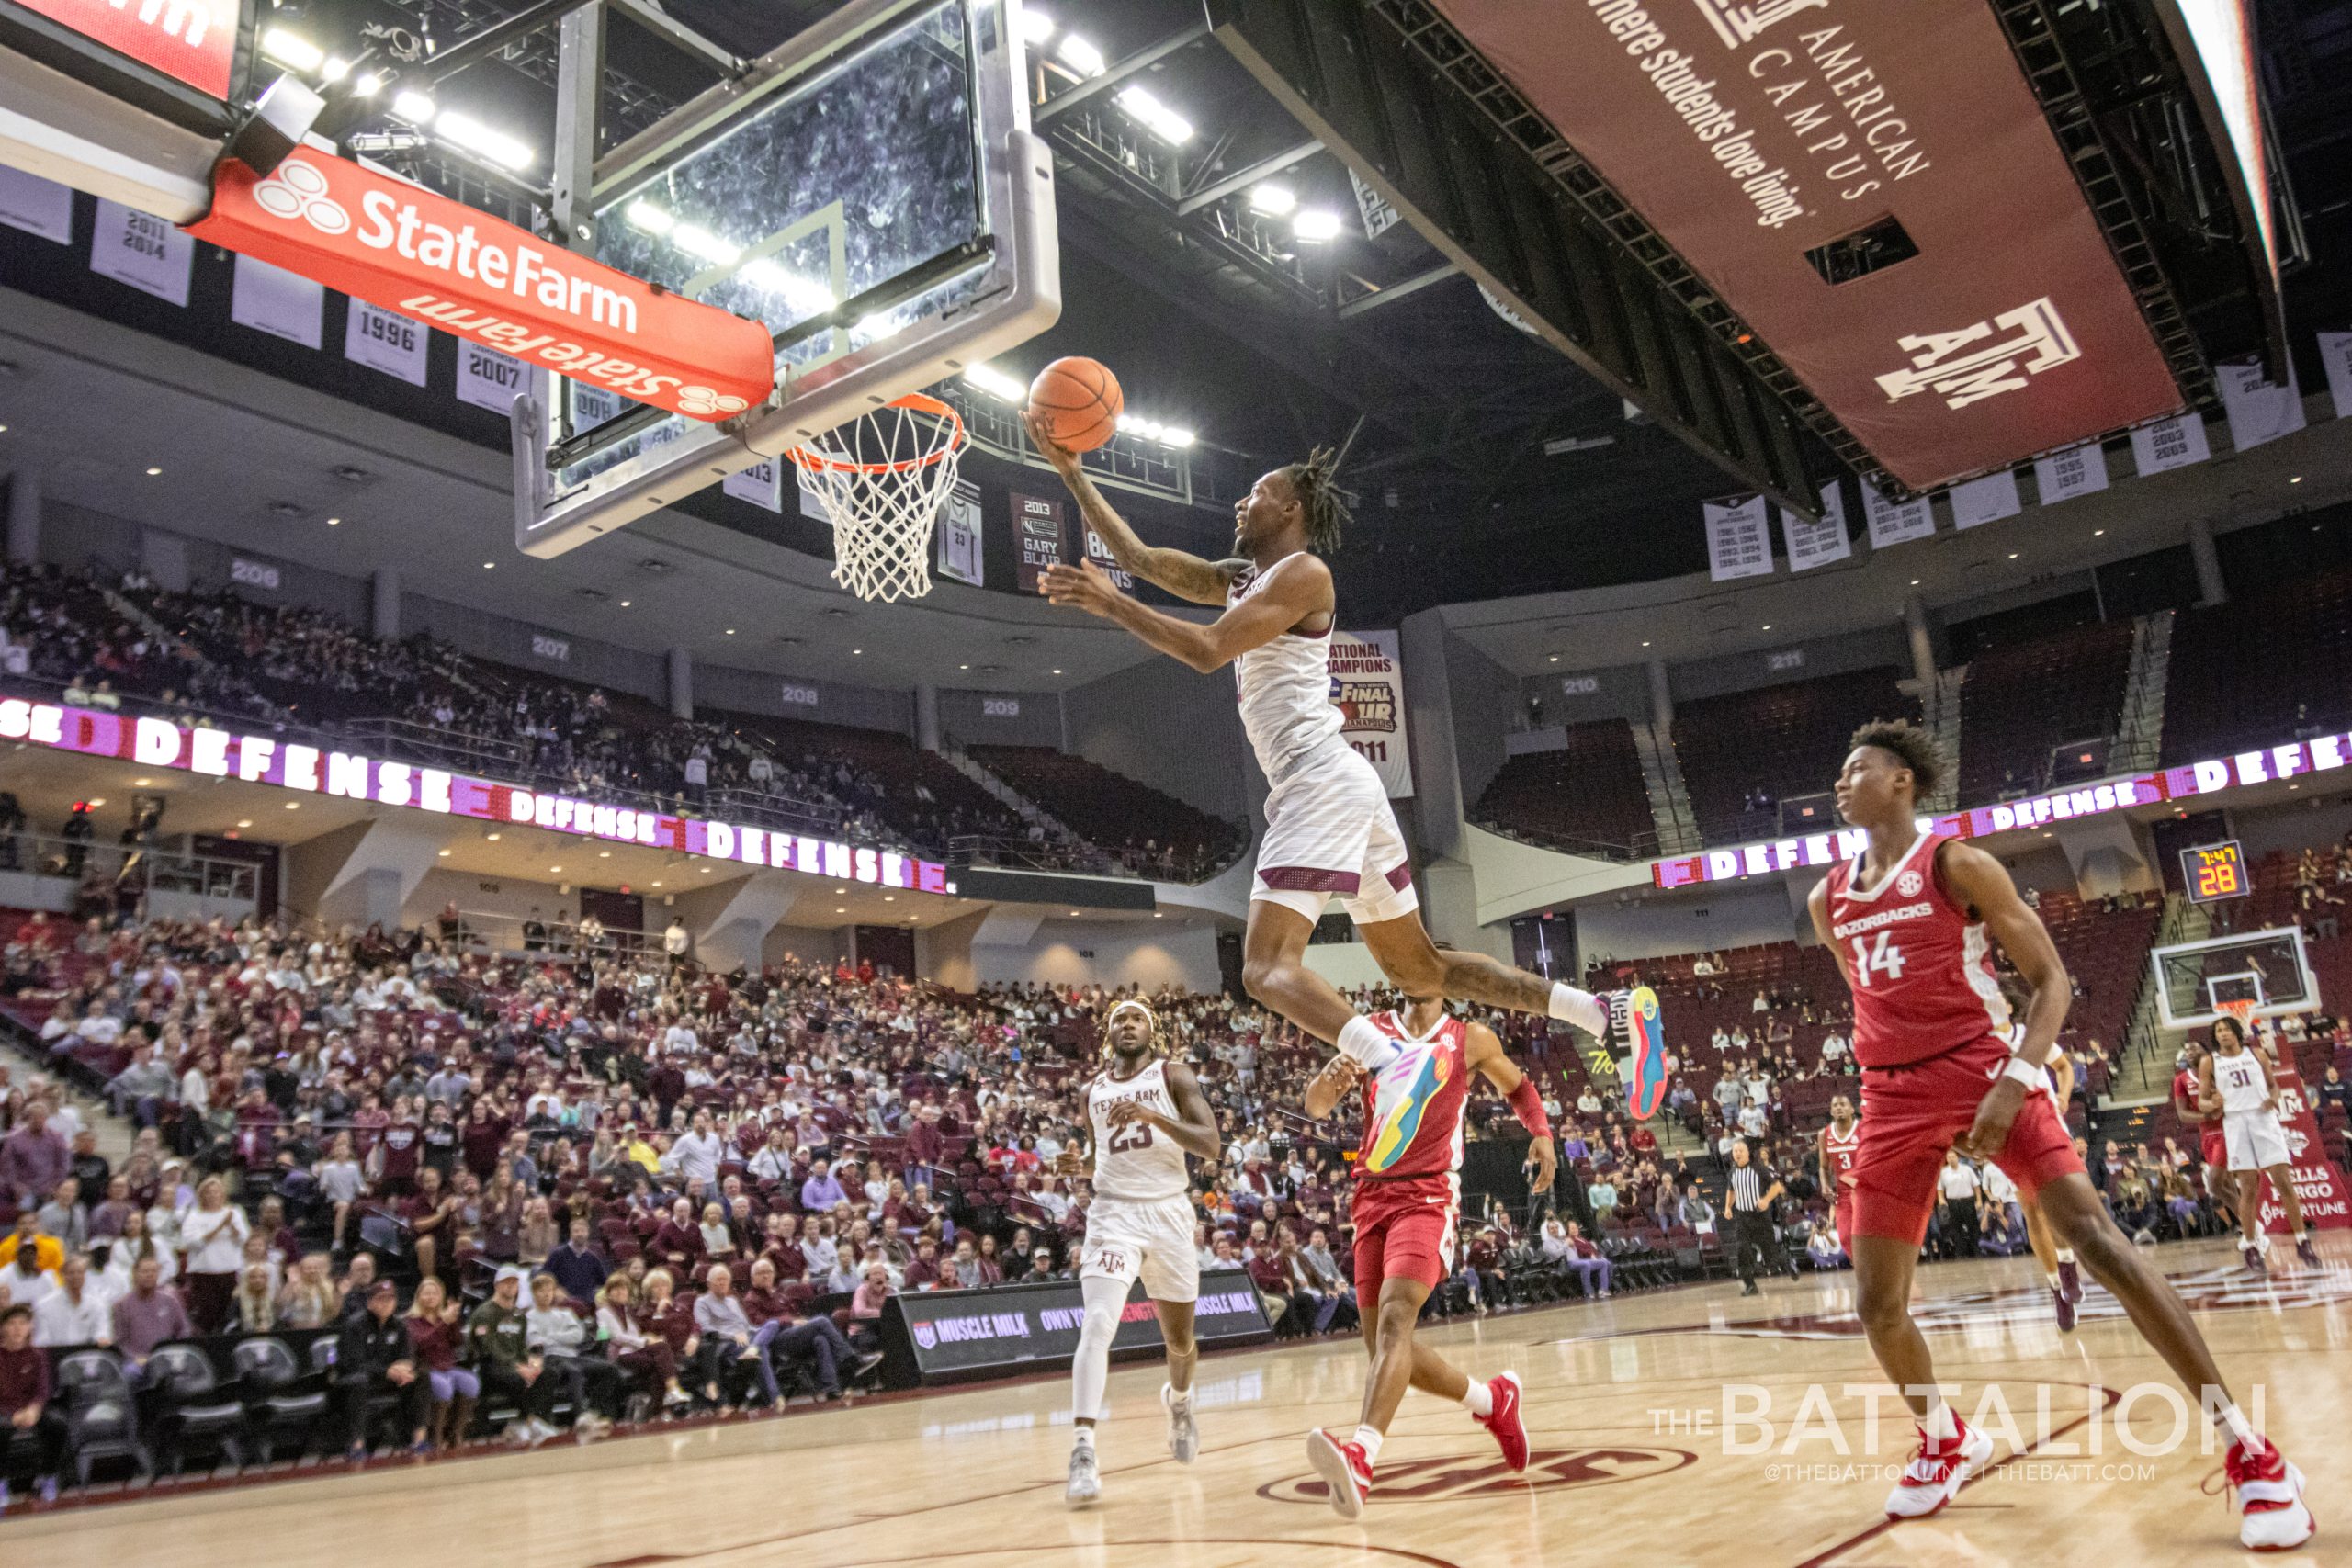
pixel 1368 688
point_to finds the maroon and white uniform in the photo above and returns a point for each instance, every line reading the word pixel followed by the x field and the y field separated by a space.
pixel 1931 1034
pixel 1329 827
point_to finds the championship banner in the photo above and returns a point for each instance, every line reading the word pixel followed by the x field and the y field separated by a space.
pixel 932 1336
pixel 283 304
pixel 141 251
pixel 193 42
pixel 383 341
pixel 2078 470
pixel 1368 688
pixel 2170 444
pixel 762 484
pixel 45 208
pixel 1819 544
pixel 1983 501
pixel 1754 134
pixel 960 535
pixel 2336 353
pixel 489 379
pixel 482 279
pixel 1738 545
pixel 1037 526
pixel 2258 411
pixel 1896 522
pixel 2318 1183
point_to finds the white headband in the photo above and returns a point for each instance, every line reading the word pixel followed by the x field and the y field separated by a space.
pixel 1143 1007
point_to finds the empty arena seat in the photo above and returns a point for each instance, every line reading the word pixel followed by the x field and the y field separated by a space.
pixel 2272 664
pixel 1147 832
pixel 2026 694
pixel 1784 740
pixel 1585 798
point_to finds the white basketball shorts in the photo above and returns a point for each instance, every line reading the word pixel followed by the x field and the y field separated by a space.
pixel 1151 1241
pixel 2256 1139
pixel 1329 829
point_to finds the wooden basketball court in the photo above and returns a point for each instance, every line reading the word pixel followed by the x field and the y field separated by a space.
pixel 1624 1472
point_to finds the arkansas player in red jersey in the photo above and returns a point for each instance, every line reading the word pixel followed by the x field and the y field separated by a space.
pixel 1406 1207
pixel 1908 920
pixel 1841 1144
pixel 2210 1145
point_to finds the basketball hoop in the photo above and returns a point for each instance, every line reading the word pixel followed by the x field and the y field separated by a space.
pixel 883 478
pixel 2240 1012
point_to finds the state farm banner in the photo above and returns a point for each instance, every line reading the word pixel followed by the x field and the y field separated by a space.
pixel 1037 527
pixel 1368 688
pixel 1751 132
pixel 482 279
pixel 193 42
pixel 2317 1181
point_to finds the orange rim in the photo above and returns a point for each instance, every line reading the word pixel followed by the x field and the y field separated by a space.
pixel 913 402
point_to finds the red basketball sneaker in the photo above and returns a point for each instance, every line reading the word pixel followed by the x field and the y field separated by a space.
pixel 1341 1464
pixel 1510 1432
pixel 1938 1471
pixel 2271 1515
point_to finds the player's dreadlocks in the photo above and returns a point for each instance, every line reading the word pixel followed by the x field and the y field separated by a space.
pixel 1913 745
pixel 1328 508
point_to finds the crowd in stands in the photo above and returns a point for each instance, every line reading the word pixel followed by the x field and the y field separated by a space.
pixel 211 657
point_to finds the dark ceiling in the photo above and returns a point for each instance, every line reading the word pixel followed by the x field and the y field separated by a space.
pixel 1447 410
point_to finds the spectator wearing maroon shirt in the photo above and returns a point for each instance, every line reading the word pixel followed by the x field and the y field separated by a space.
pixel 400 1150
pixel 677 1242
pixel 430 1212
pixel 32 1435
pixel 148 1317
pixel 922 1270
pixel 34 1158
pixel 1272 1279
pixel 783 1252
pixel 482 1136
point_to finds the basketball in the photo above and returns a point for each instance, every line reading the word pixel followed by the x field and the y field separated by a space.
pixel 1079 402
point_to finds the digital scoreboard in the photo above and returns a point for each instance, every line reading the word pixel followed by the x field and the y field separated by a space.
pixel 2213 872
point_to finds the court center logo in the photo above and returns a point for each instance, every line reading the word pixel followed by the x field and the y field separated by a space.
pixel 1466 1477
pixel 300 190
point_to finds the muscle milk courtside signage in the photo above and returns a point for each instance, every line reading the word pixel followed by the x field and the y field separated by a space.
pixel 193 42
pixel 2271 764
pixel 1753 131
pixel 2318 1183
pixel 944 1335
pixel 1368 688
pixel 482 279
pixel 351 775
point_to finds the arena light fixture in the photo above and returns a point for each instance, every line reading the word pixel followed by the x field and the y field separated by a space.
pixel 704 245
pixel 1273 200
pixel 805 296
pixel 988 379
pixel 153 472
pixel 292 50
pixel 368 85
pixel 1080 55
pixel 245 822
pixel 464 131
pixel 1156 116
pixel 445 854
pixel 1175 435
pixel 414 108
pixel 1316 225
pixel 646 217
pixel 334 69
pixel 1036 27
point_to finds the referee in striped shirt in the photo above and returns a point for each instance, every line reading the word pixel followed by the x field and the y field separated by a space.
pixel 1749 1196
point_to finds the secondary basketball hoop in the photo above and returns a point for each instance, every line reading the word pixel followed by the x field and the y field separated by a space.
pixel 882 478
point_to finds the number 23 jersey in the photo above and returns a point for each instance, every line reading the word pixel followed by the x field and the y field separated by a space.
pixel 1135 1164
pixel 1921 969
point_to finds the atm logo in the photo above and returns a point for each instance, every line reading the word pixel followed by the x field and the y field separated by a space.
pixel 1465 1478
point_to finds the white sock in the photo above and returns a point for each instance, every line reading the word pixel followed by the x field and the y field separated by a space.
pixel 2053 1281
pixel 1479 1400
pixel 1939 1422
pixel 1369 1439
pixel 2231 1419
pixel 1580 1008
pixel 1085 1441
pixel 2066 1255
pixel 1178 1396
pixel 1362 1043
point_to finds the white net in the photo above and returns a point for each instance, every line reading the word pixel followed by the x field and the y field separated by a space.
pixel 883 478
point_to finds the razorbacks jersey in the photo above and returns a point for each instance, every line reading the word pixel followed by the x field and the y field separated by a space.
pixel 1135 1164
pixel 1412 1106
pixel 2239 1078
pixel 1921 970
pixel 1840 1153
pixel 1285 684
pixel 2185 1092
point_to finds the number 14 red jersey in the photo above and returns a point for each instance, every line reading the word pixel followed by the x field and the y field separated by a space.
pixel 1921 970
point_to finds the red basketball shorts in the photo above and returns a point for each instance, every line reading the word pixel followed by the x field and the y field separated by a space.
pixel 1911 1115
pixel 2214 1144
pixel 1845 1216
pixel 1405 1228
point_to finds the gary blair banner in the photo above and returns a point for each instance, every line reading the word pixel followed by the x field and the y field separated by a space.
pixel 949 1335
pixel 1760 136
pixel 1368 688
pixel 1038 531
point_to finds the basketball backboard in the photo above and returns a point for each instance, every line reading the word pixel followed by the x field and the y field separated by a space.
pixel 2268 968
pixel 869 191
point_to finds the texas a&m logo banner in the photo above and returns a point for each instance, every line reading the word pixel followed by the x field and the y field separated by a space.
pixel 480 278
pixel 193 42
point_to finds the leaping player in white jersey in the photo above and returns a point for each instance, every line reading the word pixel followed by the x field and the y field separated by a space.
pixel 1330 828
pixel 1144 1116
